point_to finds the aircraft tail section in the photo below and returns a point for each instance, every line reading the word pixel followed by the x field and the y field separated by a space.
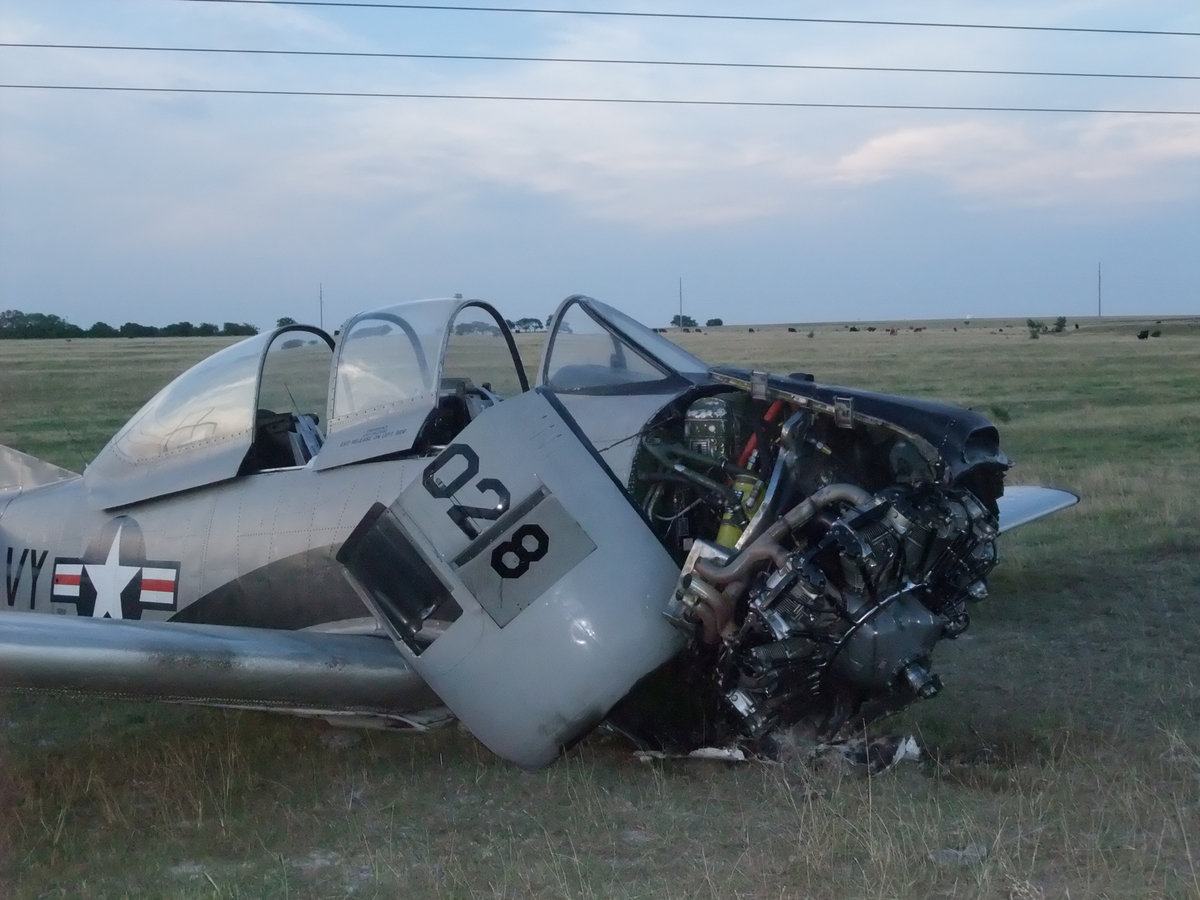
pixel 20 471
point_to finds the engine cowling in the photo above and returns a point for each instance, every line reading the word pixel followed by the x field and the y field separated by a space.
pixel 825 552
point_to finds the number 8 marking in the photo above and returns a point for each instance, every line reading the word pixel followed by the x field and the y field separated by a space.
pixel 519 546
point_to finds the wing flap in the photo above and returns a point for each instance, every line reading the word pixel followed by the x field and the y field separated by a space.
pixel 1022 504
pixel 297 671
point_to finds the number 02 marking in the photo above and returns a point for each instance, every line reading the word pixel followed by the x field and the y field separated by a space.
pixel 459 514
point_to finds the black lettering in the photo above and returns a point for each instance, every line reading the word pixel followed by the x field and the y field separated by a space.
pixel 470 470
pixel 12 577
pixel 12 583
pixel 460 514
pixel 35 569
pixel 519 548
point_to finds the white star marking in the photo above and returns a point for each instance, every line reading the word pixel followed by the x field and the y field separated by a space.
pixel 109 579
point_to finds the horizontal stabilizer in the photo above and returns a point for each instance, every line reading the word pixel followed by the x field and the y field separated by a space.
pixel 220 665
pixel 20 471
pixel 1022 504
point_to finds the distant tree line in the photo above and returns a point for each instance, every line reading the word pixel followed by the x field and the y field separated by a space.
pixel 17 324
pixel 529 323
pixel 681 321
pixel 1037 327
pixel 476 328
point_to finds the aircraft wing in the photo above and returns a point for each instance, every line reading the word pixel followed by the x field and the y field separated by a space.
pixel 1022 504
pixel 307 672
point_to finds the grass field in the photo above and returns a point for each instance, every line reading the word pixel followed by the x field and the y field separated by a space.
pixel 1063 756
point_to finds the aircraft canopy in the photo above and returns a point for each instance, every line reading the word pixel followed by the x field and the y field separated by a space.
pixel 292 397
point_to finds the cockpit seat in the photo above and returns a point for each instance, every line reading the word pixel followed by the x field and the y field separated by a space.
pixel 444 421
pixel 282 441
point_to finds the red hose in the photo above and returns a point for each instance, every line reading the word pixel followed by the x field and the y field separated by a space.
pixel 771 416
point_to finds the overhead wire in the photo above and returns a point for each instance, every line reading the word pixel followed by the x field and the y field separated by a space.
pixel 649 101
pixel 476 57
pixel 628 62
pixel 721 17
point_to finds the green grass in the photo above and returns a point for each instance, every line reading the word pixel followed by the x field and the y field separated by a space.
pixel 1064 752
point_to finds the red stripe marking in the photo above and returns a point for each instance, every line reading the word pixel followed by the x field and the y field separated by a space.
pixel 158 584
pixel 67 580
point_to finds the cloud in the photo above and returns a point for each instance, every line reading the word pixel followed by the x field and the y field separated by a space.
pixel 1082 162
pixel 144 183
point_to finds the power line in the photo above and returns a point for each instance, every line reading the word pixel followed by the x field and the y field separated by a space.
pixel 464 57
pixel 707 16
pixel 647 101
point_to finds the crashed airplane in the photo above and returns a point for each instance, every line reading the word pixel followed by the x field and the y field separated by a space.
pixel 395 529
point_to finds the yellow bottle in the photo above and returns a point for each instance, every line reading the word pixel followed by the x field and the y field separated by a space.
pixel 738 514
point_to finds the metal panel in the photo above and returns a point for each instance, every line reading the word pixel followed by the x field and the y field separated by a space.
pixel 614 423
pixel 530 668
pixel 511 568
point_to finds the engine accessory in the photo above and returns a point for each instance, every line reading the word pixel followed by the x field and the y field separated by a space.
pixel 852 617
pixel 710 428
pixel 749 491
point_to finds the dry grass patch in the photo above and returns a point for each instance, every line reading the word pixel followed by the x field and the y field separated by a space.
pixel 1064 752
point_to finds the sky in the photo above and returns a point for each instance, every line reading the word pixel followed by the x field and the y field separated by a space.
pixel 182 204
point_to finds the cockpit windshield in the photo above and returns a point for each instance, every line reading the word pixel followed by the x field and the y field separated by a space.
pixel 668 354
pixel 194 431
pixel 393 367
pixel 597 349
pixel 384 361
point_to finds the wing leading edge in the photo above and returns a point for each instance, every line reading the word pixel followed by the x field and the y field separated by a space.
pixel 306 672
pixel 1022 504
